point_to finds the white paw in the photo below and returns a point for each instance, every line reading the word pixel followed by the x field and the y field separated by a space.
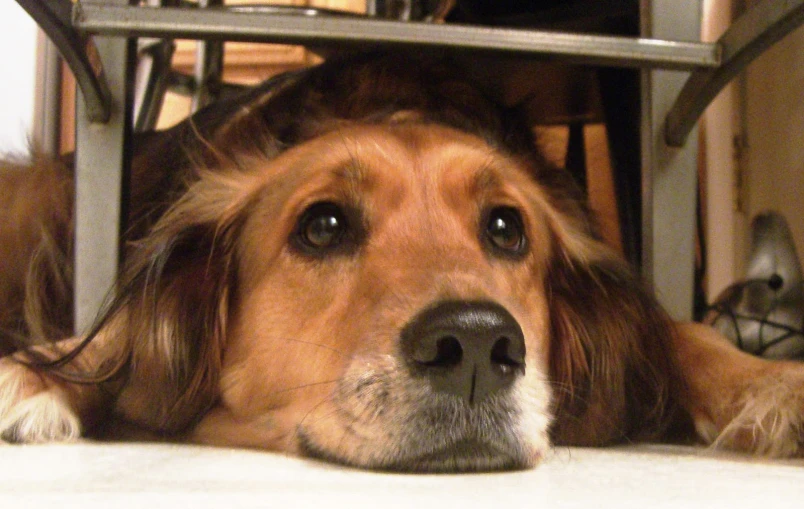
pixel 29 412
pixel 770 421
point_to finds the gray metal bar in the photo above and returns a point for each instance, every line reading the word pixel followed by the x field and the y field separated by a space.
pixel 208 66
pixel 748 37
pixel 152 76
pixel 47 103
pixel 101 168
pixel 53 16
pixel 152 81
pixel 669 175
pixel 217 24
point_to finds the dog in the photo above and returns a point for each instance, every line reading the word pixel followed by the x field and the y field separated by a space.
pixel 366 262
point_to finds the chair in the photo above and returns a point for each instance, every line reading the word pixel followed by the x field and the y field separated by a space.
pixel 662 56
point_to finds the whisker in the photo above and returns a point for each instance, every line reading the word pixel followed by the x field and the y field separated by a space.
pixel 347 430
pixel 306 386
pixel 294 437
pixel 318 345
pixel 567 389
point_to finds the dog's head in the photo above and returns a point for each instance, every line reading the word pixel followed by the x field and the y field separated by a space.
pixel 397 284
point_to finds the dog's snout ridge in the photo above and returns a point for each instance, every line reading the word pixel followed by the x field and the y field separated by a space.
pixel 467 349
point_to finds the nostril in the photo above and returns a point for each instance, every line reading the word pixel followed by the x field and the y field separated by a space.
pixel 464 348
pixel 504 352
pixel 449 353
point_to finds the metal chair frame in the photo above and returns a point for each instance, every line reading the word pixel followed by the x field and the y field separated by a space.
pixel 679 79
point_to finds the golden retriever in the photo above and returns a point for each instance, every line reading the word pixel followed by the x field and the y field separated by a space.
pixel 370 263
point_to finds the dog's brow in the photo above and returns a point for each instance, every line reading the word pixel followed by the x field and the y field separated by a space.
pixel 486 179
pixel 353 174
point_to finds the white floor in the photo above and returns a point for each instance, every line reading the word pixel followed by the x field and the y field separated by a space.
pixel 159 475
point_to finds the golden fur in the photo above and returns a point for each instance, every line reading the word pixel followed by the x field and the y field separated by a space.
pixel 238 323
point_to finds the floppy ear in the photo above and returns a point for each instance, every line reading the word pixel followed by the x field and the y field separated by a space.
pixel 611 361
pixel 172 306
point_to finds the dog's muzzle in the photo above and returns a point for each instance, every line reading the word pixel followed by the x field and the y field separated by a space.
pixel 471 350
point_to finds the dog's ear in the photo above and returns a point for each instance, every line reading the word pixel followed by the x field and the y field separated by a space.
pixel 611 361
pixel 172 306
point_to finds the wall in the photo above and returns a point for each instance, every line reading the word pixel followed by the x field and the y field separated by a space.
pixel 723 219
pixel 754 156
pixel 17 68
pixel 774 109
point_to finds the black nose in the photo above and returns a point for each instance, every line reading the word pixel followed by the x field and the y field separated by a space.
pixel 468 349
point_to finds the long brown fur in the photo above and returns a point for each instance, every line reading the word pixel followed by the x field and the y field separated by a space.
pixel 223 332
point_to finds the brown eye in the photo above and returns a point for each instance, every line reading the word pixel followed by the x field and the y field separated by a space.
pixel 322 227
pixel 505 232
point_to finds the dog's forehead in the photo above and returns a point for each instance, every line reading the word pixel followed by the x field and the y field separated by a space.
pixel 390 161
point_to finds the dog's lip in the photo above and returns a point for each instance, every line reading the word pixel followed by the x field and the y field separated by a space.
pixel 466 455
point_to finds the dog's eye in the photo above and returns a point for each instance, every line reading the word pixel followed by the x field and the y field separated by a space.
pixel 505 232
pixel 322 227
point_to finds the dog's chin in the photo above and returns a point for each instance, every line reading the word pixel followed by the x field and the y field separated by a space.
pixel 379 417
pixel 467 455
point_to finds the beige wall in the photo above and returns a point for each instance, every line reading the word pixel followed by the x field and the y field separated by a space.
pixel 754 156
pixel 774 112
pixel 18 68
pixel 723 217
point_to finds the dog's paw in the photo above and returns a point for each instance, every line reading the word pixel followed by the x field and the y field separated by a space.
pixel 769 416
pixel 30 412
